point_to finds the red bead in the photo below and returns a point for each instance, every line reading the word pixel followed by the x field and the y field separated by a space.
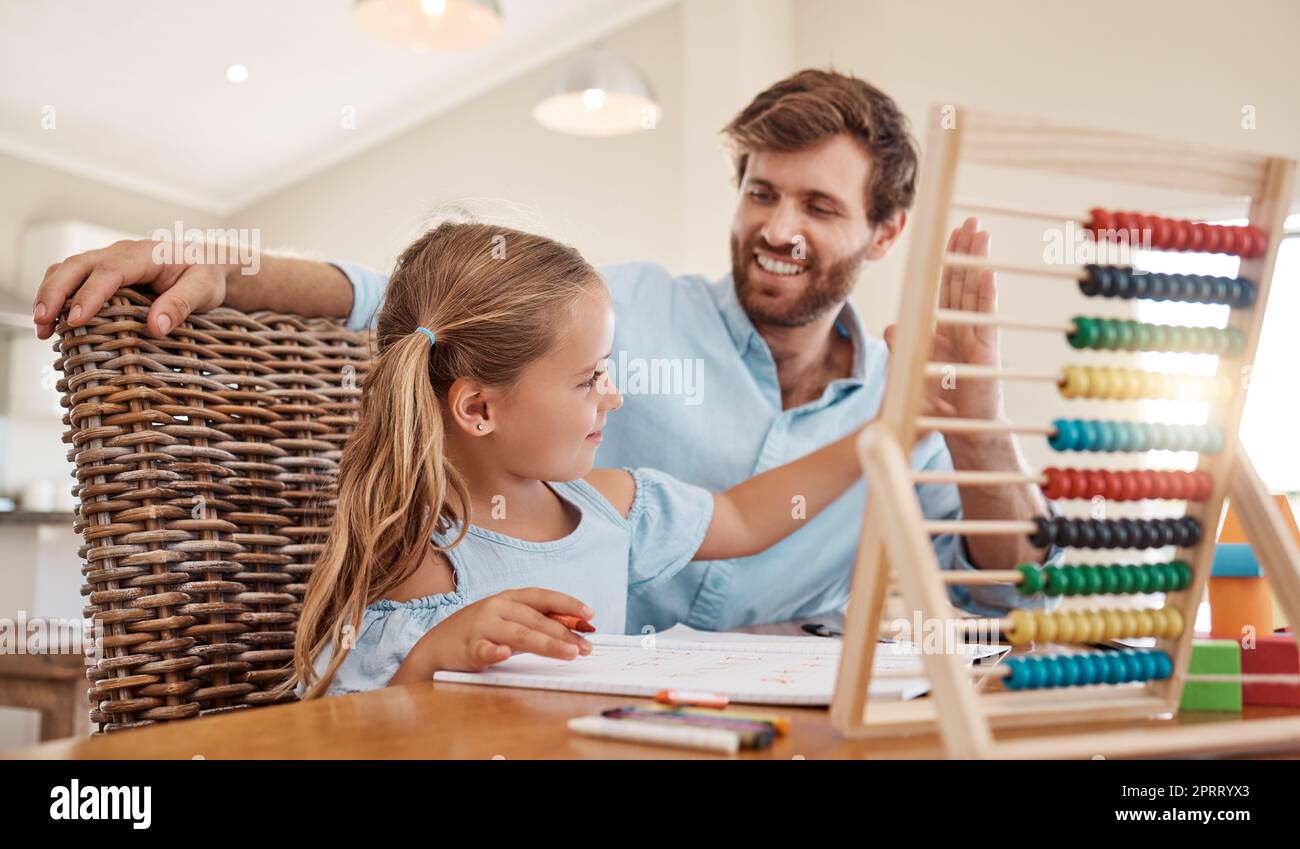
pixel 1178 486
pixel 1259 241
pixel 1099 219
pixel 1052 489
pixel 1132 486
pixel 1211 238
pixel 1231 241
pixel 1152 486
pixel 1204 486
pixel 1161 230
pixel 1096 483
pixel 1180 233
pixel 1077 483
pixel 1195 236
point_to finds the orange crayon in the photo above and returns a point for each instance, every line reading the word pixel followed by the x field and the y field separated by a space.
pixel 573 623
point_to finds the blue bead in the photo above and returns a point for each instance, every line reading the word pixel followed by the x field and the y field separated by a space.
pixel 1016 680
pixel 1090 437
pixel 1088 671
pixel 1069 670
pixel 1054 673
pixel 1216 440
pixel 1064 436
pixel 1127 436
pixel 1114 668
pixel 1106 433
pixel 1148 666
pixel 1164 666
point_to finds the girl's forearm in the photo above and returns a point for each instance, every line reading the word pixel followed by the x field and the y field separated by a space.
pixel 765 509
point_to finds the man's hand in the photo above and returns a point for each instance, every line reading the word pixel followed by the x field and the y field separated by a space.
pixel 90 279
pixel 969 289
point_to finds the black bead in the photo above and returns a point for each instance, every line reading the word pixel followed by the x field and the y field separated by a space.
pixel 1069 533
pixel 1141 534
pixel 1106 535
pixel 1194 528
pixel 1162 533
pixel 1220 290
pixel 1247 293
pixel 1176 288
pixel 1091 284
pixel 1158 288
pixel 1087 534
pixel 1045 535
pixel 1109 282
pixel 1120 537
pixel 1141 286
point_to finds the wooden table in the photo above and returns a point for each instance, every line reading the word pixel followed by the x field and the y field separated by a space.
pixel 444 720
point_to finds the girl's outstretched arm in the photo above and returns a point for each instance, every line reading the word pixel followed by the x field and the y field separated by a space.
pixel 766 509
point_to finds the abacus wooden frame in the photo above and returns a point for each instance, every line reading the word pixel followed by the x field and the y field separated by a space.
pixel 892 530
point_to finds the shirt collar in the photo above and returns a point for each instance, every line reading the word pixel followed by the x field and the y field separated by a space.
pixel 743 333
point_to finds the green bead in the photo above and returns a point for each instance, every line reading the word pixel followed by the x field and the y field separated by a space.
pixel 1078 338
pixel 1109 334
pixel 1127 334
pixel 1236 340
pixel 1090 580
pixel 1179 340
pixel 1053 575
pixel 1144 579
pixel 1184 572
pixel 1142 337
pixel 1127 578
pixel 1158 577
pixel 1033 582
pixel 1160 337
pixel 1109 579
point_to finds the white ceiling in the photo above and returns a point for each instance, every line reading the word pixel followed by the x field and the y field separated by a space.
pixel 140 97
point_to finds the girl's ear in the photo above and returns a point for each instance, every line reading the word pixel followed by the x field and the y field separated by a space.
pixel 471 405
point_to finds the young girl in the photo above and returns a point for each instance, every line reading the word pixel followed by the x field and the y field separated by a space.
pixel 468 485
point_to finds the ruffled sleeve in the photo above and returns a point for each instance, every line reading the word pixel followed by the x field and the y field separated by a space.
pixel 668 519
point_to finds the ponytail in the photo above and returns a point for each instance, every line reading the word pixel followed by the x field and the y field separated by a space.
pixel 393 484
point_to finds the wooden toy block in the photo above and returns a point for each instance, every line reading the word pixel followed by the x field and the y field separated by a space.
pixel 1240 606
pixel 1273 654
pixel 1213 657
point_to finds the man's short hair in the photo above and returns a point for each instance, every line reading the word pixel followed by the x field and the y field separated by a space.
pixel 812 106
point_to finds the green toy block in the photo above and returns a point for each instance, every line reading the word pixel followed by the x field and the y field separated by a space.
pixel 1213 657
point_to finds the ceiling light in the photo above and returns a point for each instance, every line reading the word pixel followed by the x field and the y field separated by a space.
pixel 424 25
pixel 237 73
pixel 598 94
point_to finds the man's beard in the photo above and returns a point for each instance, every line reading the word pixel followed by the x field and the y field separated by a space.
pixel 827 288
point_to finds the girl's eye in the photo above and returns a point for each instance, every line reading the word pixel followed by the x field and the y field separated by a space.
pixel 595 377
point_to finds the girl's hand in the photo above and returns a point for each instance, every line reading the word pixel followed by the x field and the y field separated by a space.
pixel 491 630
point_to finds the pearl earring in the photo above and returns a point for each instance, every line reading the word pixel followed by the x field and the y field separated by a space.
pixel 480 425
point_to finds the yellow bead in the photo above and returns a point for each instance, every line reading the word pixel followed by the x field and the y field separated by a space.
pixel 1023 628
pixel 1065 630
pixel 1128 623
pixel 1132 385
pixel 1082 626
pixel 1045 624
pixel 1153 384
pixel 1098 382
pixel 1146 626
pixel 1114 625
pixel 1173 623
pixel 1072 382
pixel 1158 623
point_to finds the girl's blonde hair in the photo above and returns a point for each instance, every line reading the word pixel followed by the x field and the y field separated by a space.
pixel 495 299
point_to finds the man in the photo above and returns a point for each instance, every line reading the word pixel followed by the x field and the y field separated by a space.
pixel 826 170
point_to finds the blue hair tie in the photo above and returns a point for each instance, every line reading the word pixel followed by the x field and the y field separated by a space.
pixel 427 332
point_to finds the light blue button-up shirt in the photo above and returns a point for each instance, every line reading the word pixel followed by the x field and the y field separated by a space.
pixel 702 402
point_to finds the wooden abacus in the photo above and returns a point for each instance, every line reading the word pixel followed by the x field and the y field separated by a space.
pixel 895 545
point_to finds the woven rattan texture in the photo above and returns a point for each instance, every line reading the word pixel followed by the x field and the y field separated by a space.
pixel 206 463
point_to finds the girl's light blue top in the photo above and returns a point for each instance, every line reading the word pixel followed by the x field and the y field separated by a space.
pixel 598 563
